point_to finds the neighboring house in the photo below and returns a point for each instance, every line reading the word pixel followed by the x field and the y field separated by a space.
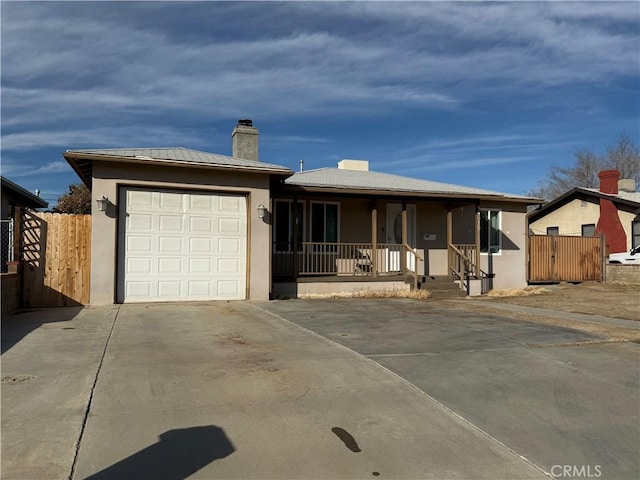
pixel 611 210
pixel 14 196
pixel 174 224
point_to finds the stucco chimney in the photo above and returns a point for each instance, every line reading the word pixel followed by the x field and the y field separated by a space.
pixel 627 185
pixel 245 140
pixel 609 181
pixel 360 165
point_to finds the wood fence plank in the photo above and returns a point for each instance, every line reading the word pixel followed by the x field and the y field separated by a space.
pixel 55 249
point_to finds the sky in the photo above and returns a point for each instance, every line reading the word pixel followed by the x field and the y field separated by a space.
pixel 487 95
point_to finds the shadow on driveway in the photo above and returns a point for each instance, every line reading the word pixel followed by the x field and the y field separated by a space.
pixel 17 326
pixel 178 454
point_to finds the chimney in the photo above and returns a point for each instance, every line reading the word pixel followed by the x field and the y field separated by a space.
pixel 245 140
pixel 609 222
pixel 627 185
pixel 609 181
pixel 360 165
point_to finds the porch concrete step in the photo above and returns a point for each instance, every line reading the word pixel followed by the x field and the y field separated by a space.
pixel 441 294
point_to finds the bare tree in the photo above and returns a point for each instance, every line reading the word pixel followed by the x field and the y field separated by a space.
pixel 623 156
pixel 78 200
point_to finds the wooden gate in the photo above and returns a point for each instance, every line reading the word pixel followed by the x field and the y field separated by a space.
pixel 565 259
pixel 56 258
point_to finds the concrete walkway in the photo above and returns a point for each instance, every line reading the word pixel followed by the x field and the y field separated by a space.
pixel 218 390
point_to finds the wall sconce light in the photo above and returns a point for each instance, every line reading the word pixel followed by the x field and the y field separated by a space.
pixel 262 211
pixel 102 203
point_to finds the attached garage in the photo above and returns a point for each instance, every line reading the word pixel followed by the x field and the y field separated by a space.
pixel 181 245
pixel 175 224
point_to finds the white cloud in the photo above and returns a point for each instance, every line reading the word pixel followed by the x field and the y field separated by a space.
pixel 21 170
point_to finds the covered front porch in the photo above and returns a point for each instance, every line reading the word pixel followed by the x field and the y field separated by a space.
pixel 350 239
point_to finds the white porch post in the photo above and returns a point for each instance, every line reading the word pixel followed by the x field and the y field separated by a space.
pixel 403 255
pixel 449 237
pixel 374 239
pixel 477 233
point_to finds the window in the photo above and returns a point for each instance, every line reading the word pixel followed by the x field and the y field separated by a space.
pixel 589 230
pixel 635 233
pixel 555 231
pixel 490 234
pixel 324 222
pixel 283 224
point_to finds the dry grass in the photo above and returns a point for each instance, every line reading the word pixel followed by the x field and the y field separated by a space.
pixel 368 293
pixel 393 293
pixel 518 292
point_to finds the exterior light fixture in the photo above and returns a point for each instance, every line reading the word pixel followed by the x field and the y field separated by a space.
pixel 262 211
pixel 102 203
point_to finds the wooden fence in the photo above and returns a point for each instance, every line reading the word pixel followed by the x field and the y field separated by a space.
pixel 565 258
pixel 56 257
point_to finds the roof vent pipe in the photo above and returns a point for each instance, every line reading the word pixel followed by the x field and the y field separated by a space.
pixel 302 165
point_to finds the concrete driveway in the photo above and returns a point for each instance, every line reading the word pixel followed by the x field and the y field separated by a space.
pixel 561 398
pixel 229 390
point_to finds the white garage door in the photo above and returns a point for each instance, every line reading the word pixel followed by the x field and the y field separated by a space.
pixel 181 246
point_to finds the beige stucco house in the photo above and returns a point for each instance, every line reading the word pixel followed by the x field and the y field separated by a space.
pixel 612 210
pixel 174 224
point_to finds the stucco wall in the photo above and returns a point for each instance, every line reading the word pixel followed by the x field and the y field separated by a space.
pixel 570 217
pixel 108 177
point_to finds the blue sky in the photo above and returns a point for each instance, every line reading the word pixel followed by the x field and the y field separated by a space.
pixel 488 95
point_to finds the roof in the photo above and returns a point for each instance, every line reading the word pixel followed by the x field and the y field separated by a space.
pixel 81 160
pixel 335 179
pixel 22 195
pixel 629 199
pixel 621 195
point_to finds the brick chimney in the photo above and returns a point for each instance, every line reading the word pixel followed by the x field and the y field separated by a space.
pixel 609 181
pixel 245 140
pixel 609 222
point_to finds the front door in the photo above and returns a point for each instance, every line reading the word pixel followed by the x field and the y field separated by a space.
pixel 394 234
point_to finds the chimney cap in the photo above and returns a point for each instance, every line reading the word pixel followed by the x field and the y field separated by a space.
pixel 245 122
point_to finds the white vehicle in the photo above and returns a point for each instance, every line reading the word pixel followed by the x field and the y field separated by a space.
pixel 632 257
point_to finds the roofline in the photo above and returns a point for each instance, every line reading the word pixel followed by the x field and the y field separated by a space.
pixel 26 194
pixel 559 201
pixel 406 193
pixel 71 156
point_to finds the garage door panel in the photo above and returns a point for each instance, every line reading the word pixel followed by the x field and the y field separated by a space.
pixel 139 265
pixel 181 246
pixel 171 202
pixel 168 265
pixel 200 245
pixel 139 243
pixel 170 223
pixel 140 222
pixel 228 204
pixel 140 199
pixel 200 265
pixel 170 244
pixel 229 226
pixel 139 289
pixel 200 224
pixel 201 203
pixel 228 288
pixel 169 290
pixel 229 266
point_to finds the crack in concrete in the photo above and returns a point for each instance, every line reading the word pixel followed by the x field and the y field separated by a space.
pixel 93 387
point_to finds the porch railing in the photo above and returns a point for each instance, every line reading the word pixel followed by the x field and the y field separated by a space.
pixel 463 266
pixel 318 258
